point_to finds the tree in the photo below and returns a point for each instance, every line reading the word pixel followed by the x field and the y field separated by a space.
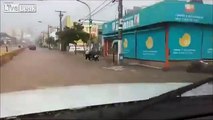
pixel 39 41
pixel 50 41
pixel 68 36
pixel 71 35
pixel 83 36
pixel 94 39
pixel 78 26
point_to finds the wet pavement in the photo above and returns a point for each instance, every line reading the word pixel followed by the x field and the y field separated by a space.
pixel 50 68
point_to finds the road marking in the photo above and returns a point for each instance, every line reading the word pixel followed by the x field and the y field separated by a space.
pixel 115 68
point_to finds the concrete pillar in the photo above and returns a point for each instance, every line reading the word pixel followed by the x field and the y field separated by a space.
pixel 166 64
pixel 107 48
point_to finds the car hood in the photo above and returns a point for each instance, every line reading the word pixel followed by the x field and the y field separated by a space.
pixel 74 97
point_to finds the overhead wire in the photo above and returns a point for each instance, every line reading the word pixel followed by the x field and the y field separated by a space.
pixel 96 8
pixel 102 9
pixel 95 12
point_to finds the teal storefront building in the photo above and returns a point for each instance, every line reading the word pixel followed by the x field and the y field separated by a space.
pixel 167 31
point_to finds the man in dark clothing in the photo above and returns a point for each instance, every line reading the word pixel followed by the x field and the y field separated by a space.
pixel 91 55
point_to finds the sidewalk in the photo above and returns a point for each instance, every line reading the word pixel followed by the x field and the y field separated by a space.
pixel 136 65
pixel 10 48
pixel 6 56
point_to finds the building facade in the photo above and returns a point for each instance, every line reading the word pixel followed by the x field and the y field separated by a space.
pixel 67 22
pixel 166 31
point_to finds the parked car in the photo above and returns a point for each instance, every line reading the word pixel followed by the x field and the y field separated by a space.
pixel 32 47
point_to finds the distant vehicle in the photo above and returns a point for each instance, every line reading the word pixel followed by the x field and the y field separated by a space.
pixel 78 48
pixel 32 47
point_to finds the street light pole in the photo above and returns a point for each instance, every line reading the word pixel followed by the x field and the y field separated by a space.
pixel 48 32
pixel 90 20
pixel 120 29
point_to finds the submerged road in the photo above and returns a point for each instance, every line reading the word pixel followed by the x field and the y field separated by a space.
pixel 50 68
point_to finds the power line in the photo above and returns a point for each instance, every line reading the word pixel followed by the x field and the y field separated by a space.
pixel 101 9
pixel 98 10
pixel 99 6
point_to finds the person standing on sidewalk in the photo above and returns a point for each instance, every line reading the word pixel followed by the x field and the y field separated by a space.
pixel 6 48
pixel 87 54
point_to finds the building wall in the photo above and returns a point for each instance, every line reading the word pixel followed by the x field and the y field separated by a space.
pixel 151 44
pixel 45 36
pixel 207 43
pixel 67 22
pixel 94 29
pixel 145 44
pixel 186 42
pixel 129 43
pixel 190 42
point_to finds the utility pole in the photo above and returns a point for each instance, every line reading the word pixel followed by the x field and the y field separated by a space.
pixel 120 29
pixel 60 20
pixel 43 38
pixel 48 35
pixel 60 17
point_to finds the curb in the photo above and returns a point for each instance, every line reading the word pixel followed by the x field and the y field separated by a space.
pixel 9 56
pixel 145 65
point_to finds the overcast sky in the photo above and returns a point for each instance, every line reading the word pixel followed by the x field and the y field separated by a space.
pixel 46 12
